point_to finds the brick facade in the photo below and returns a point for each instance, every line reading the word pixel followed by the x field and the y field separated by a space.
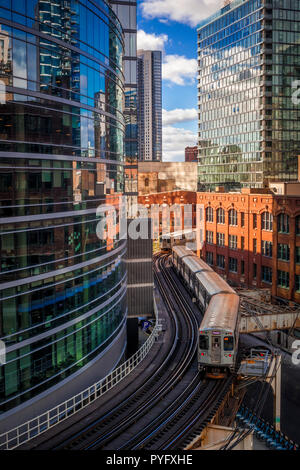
pixel 191 154
pixel 249 208
pixel 244 243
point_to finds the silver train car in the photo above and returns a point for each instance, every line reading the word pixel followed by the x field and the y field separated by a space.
pixel 219 329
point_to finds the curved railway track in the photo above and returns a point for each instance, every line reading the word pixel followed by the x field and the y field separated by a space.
pixel 173 404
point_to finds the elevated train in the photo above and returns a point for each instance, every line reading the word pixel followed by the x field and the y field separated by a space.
pixel 175 239
pixel 219 329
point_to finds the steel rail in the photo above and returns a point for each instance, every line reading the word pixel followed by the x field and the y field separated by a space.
pixel 183 364
pixel 122 407
pixel 192 418
pixel 40 424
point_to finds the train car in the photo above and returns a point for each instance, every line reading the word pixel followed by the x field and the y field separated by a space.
pixel 179 238
pixel 192 267
pixel 219 336
pixel 187 264
pixel 179 254
pixel 208 284
pixel 219 330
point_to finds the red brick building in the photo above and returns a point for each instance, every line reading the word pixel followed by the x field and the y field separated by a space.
pixel 236 244
pixel 191 154
pixel 286 241
pixel 251 238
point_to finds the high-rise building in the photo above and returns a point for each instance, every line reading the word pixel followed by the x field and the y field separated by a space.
pixel 139 262
pixel 63 290
pixel 191 154
pixel 126 12
pixel 150 105
pixel 248 55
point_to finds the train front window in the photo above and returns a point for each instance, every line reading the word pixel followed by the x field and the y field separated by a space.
pixel 228 343
pixel 203 342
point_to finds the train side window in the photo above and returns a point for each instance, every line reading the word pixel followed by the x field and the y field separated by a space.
pixel 228 343
pixel 203 342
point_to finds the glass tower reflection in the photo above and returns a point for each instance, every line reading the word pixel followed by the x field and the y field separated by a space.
pixel 248 58
pixel 61 155
pixel 126 12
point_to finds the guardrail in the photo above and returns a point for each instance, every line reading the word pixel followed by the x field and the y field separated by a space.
pixel 265 431
pixel 36 426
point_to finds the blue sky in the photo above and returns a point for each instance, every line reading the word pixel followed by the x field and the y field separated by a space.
pixel 171 26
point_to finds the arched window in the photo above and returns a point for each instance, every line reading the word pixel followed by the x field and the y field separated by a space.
pixel 209 214
pixel 267 221
pixel 298 225
pixel 232 217
pixel 283 223
pixel 220 216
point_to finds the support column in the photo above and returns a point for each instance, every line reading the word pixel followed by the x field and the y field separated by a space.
pixel 277 398
pixel 276 386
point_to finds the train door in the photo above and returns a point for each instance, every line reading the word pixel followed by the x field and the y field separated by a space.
pixel 216 349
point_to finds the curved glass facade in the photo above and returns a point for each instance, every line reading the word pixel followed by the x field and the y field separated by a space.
pixel 62 290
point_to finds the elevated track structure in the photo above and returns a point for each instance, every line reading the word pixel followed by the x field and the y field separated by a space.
pixel 161 403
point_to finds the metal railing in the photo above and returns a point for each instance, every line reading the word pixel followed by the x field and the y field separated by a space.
pixel 36 426
pixel 265 431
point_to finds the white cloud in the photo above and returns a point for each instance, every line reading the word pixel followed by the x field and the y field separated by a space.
pixel 164 21
pixel 174 142
pixel 179 70
pixel 184 11
pixel 178 115
pixel 175 69
pixel 151 42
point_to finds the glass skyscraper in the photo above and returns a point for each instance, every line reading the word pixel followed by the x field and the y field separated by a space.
pixel 249 128
pixel 63 291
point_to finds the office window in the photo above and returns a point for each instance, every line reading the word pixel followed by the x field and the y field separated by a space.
pixel 297 283
pixel 233 265
pixel 232 217
pixel 266 274
pixel 209 237
pixel 254 245
pixel 209 214
pixel 233 242
pixel 242 243
pixel 267 221
pixel 220 239
pixel 297 254
pixel 243 219
pixel 254 220
pixel 283 279
pixel 242 267
pixel 266 248
pixel 209 257
pixel 221 261
pixel 254 270
pixel 283 224
pixel 220 216
pixel 298 225
pixel 283 252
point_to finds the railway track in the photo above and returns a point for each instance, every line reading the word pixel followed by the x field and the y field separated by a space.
pixel 110 426
pixel 185 418
pixel 173 404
